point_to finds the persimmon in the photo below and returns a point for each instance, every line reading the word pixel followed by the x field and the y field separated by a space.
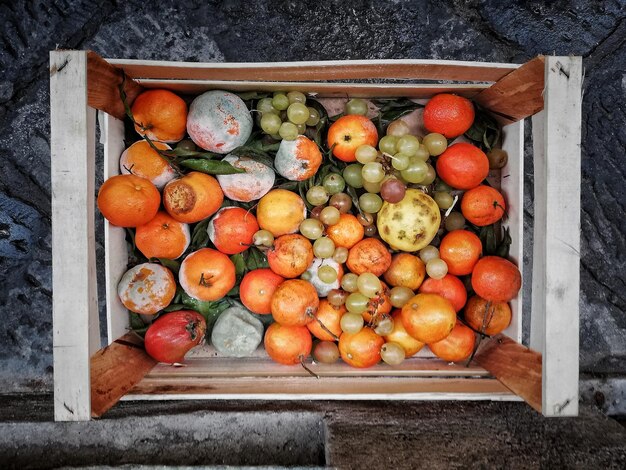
pixel 280 212
pixel 160 115
pixel 399 335
pixel 405 270
pixel 231 229
pixel 460 249
pixel 369 255
pixel 448 114
pixel 449 287
pixel 347 232
pixel 457 346
pixel 329 316
pixel 490 318
pixel 463 166
pixel 428 317
pixel 483 205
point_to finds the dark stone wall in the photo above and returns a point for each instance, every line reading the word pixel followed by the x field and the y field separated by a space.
pixel 487 30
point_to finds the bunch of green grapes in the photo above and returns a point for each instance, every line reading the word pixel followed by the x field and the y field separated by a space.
pixel 286 115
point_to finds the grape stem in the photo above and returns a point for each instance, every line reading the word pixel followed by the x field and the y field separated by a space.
pixel 313 374
pixel 324 327
pixel 483 328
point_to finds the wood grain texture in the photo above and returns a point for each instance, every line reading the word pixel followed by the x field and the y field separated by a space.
pixel 103 86
pixel 74 304
pixel 518 94
pixel 513 364
pixel 116 369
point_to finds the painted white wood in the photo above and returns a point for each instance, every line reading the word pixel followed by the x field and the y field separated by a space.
pixel 116 250
pixel 560 201
pixel 334 397
pixel 74 303
pixel 512 186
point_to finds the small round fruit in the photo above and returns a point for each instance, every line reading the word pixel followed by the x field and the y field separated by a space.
pixel 147 288
pixel 349 282
pixel 324 247
pixel 361 349
pixel 405 270
pixel 460 249
pixel 399 296
pixel 455 221
pixel 356 106
pixel 296 97
pixel 392 354
pixel 280 101
pixel 435 143
pixel 353 176
pixel 384 326
pixel 436 268
pixel 448 114
pixel 287 344
pixel 496 279
pixel 365 219
pixel 373 172
pixel 334 183
pixel 498 158
pixel 128 200
pixel 369 255
pixel 288 131
pixel 312 274
pixel 398 128
pixel 264 105
pixel 280 212
pixel 428 317
pixel 463 166
pixel 263 238
pixel 349 132
pixel 370 203
pixel 490 318
pixel 357 303
pixel 449 287
pixel 317 195
pixel 393 190
pixel 389 144
pixel 429 252
pixel 312 228
pixel 330 215
pixel 207 274
pixel 368 284
pixel 366 154
pixel 163 237
pixel 326 352
pixel 298 113
pixel 337 297
pixel 314 117
pixel 443 199
pixel 327 274
pixel 160 115
pixel 341 201
pixel 408 144
pixel 400 161
pixel 457 346
pixel 257 288
pixel 270 123
pixel 483 205
pixel 415 172
pixel 294 303
pixel 232 230
pixel 351 322
pixel 329 316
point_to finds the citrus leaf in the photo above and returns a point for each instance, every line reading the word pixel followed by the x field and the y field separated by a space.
pixel 256 259
pixel 209 310
pixel 211 167
pixel 199 236
pixel 171 264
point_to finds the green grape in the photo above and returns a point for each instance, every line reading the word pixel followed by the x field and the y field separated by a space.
pixel 326 352
pixel 351 322
pixel 400 161
pixel 317 195
pixel 323 247
pixel 306 276
pixel 314 117
pixel 370 202
pixel 337 297
pixel 263 238
pixel 398 128
pixel 296 97
pixel 392 353
pixel 301 128
pixel 366 154
pixel 455 221
pixel 443 199
pixel 327 274
pixel 436 268
pixel 334 183
pixel 372 187
pixel 399 296
pixel 368 284
pixel 280 101
pixel 435 143
pixel 384 326
pixel 340 255
pixel 330 215
pixel 388 144
pixel 288 131
pixel 297 113
pixel 356 106
pixel 311 228
pixel 429 252
pixel 498 158
pixel 341 201
pixel 373 172
pixel 430 175
pixel 415 172
pixel 422 153
pixel 442 186
pixel 352 175
pixel 408 144
pixel 357 303
pixel 348 282
pixel 270 123
pixel 265 106
pixel 276 136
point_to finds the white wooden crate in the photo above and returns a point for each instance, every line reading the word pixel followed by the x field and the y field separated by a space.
pixel 546 378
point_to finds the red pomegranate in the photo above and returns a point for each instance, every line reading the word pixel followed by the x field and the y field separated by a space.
pixel 172 335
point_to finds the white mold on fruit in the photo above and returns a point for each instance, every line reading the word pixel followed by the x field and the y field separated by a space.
pixel 322 287
pixel 255 183
pixel 147 288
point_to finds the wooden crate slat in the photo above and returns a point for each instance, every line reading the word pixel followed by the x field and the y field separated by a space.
pixel 76 329
pixel 116 369
pixel 517 95
pixel 319 71
pixel 103 82
pixel 559 234
pixel 516 366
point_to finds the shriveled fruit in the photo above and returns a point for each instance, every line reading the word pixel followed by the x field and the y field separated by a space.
pixel 172 335
pixel 483 205
pixel 147 288
pixel 428 317
pixel 193 197
pixel 361 349
pixel 294 302
pixel 457 346
pixel 329 316
pixel 160 115
pixel 460 249
pixel 290 256
pixel 162 237
pixel 207 274
pixel 449 287
pixel 257 288
pixel 378 306
pixel 298 159
pixel 280 212
pixel 448 114
pixel 405 270
pixel 463 166
pixel 496 279
pixel 128 200
pixel 411 224
pixel 255 183
pixel 399 335
pixel 369 255
pixel 237 333
pixel 140 159
pixel 287 344
pixel 348 133
pixel 347 232
pixel 231 229
pixel 490 318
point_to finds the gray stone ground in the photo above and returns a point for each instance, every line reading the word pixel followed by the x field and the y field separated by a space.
pixel 237 30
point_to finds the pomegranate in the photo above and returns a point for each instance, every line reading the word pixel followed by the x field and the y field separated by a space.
pixel 172 335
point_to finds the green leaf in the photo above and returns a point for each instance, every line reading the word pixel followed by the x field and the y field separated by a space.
pixel 318 133
pixel 137 325
pixel 172 264
pixel 199 236
pixel 252 95
pixel 173 308
pixel 240 266
pixel 485 131
pixel 256 259
pixel 179 152
pixel 211 167
pixel 505 244
pixel 209 310
pixel 392 109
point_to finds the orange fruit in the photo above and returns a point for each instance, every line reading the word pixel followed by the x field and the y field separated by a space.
pixel 286 344
pixel 369 255
pixel 457 346
pixel 147 288
pixel 298 159
pixel 162 237
pixel 347 232
pixel 207 274
pixel 128 200
pixel 463 166
pixel 428 317
pixel 361 349
pixel 280 212
pixel 449 287
pixel 349 132
pixel 495 320
pixel 330 316
pixel 378 306
pixel 290 256
pixel 257 288
pixel 193 197
pixel 496 279
pixel 141 159
pixel 231 229
pixel 161 115
pixel 483 205
pixel 405 270
pixel 294 303
pixel 447 114
pixel 255 183
pixel 460 249
pixel 399 335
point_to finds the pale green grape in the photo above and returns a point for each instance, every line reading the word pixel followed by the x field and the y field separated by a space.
pixel 429 252
pixel 351 322
pixel 370 202
pixel 455 221
pixel 297 113
pixel 334 183
pixel 296 97
pixel 400 161
pixel 330 215
pixel 398 128
pixel 263 238
pixel 340 255
pixel 357 303
pixel 348 282
pixel 368 284
pixel 317 195
pixel 327 274
pixel 280 101
pixel 314 117
pixel 352 175
pixel 443 199
pixel 373 172
pixel 323 247
pixel 288 131
pixel 270 123
pixel 392 354
pixel 312 228
pixel 388 144
pixel 366 154
pixel 399 296
pixel 435 143
pixel 408 144
pixel 436 268
pixel 356 106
